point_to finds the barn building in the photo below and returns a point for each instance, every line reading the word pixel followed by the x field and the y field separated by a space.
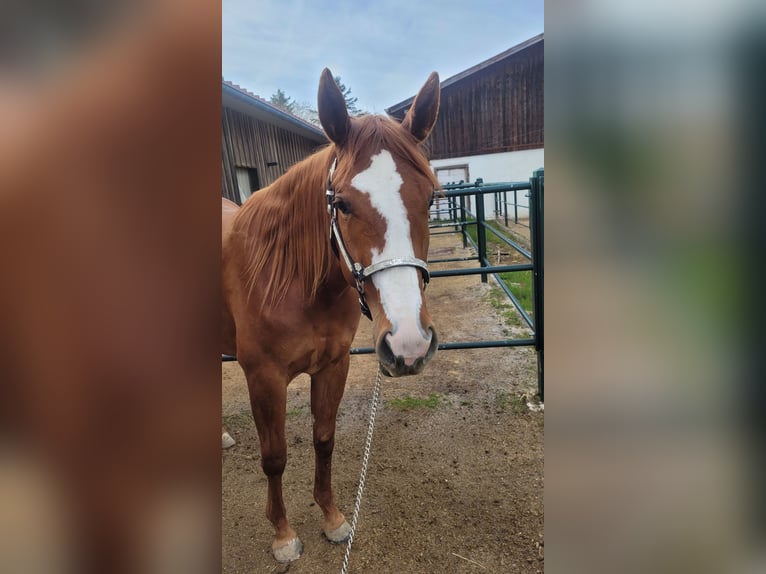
pixel 490 122
pixel 260 142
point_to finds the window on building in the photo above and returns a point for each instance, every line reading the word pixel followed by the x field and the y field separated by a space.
pixel 247 182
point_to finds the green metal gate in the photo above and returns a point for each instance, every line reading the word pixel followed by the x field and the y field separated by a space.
pixel 458 221
pixel 460 218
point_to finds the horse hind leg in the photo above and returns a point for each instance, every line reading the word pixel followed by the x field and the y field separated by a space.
pixel 268 400
pixel 326 393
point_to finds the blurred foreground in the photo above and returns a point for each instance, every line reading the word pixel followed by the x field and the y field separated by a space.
pixel 653 461
pixel 109 394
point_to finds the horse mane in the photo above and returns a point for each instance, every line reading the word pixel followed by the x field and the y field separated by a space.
pixel 287 228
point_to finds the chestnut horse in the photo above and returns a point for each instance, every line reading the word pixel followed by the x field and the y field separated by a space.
pixel 344 227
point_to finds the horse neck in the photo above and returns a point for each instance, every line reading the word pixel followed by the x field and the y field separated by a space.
pixel 286 232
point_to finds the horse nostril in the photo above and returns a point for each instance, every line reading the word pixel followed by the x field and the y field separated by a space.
pixel 399 357
pixel 384 352
pixel 434 343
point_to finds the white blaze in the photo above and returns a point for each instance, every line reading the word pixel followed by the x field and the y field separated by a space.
pixel 399 287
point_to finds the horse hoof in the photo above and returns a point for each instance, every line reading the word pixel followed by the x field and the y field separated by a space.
pixel 227 441
pixel 289 552
pixel 340 534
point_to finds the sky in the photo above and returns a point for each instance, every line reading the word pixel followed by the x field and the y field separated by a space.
pixel 382 49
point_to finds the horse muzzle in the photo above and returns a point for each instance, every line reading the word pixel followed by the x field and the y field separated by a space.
pixel 400 355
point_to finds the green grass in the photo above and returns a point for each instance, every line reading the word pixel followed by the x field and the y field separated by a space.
pixel 517 404
pixel 518 282
pixel 492 240
pixel 294 412
pixel 408 403
pixel 499 300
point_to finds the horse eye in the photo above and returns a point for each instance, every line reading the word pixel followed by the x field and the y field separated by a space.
pixel 342 206
pixel 431 201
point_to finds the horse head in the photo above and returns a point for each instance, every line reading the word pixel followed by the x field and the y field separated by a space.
pixel 380 188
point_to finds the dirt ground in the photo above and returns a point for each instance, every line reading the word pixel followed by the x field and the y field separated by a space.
pixel 455 482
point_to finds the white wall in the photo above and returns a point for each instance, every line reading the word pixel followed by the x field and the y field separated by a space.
pixel 500 167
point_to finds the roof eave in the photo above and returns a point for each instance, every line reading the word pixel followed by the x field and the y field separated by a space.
pixel 283 118
pixel 473 69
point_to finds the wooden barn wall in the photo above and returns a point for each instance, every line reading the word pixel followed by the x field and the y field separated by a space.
pixel 497 109
pixel 249 142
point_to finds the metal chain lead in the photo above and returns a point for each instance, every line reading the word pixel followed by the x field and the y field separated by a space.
pixel 363 476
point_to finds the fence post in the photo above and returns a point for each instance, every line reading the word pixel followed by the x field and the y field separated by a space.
pixel 463 220
pixel 536 192
pixel 481 234
pixel 505 207
pixel 515 207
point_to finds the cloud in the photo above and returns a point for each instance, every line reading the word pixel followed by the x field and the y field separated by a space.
pixel 383 50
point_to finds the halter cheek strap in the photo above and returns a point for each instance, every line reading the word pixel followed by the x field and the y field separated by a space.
pixel 358 271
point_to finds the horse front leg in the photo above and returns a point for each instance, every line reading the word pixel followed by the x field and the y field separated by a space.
pixel 268 400
pixel 326 392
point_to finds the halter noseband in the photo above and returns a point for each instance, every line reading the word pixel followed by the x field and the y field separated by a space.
pixel 360 272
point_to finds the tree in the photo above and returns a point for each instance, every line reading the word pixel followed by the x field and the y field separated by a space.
pixel 304 111
pixel 281 100
pixel 350 101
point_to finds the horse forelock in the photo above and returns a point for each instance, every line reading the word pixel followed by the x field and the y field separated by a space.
pixel 370 134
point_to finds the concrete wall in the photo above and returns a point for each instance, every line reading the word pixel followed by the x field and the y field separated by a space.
pixel 499 167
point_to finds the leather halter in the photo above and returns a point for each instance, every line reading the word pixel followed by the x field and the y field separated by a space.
pixel 359 271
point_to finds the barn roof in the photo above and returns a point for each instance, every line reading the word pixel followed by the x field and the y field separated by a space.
pixel 470 71
pixel 240 99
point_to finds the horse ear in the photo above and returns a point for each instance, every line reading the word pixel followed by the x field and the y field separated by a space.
pixel 421 117
pixel 332 109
